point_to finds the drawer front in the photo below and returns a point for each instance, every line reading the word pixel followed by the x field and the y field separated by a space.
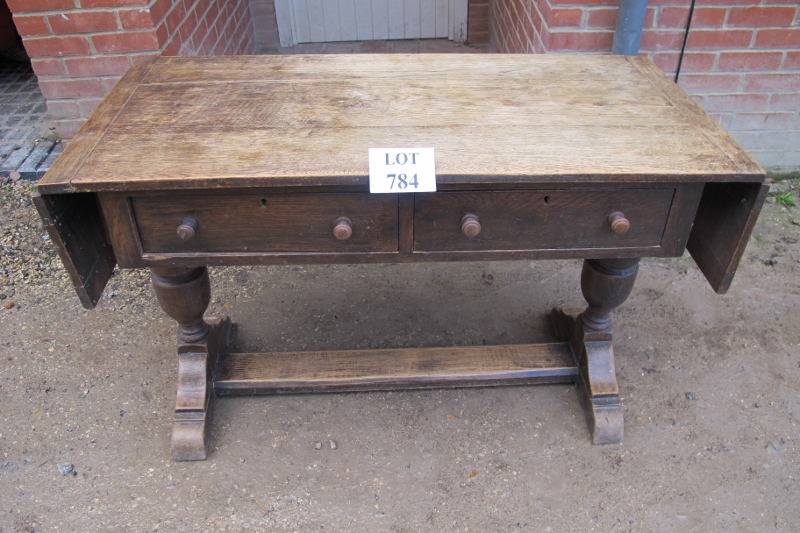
pixel 266 223
pixel 542 219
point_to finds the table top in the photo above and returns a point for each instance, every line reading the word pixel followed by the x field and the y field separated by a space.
pixel 274 121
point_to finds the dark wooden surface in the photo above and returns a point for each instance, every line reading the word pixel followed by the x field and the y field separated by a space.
pixel 192 162
pixel 725 220
pixel 267 222
pixel 549 218
pixel 77 230
pixel 398 369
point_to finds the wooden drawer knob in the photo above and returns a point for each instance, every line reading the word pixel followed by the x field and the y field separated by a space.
pixel 619 224
pixel 342 228
pixel 187 229
pixel 470 225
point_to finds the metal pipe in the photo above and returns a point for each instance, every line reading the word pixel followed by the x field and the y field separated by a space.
pixel 628 32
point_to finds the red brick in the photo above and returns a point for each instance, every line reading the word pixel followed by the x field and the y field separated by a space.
pixel 63 109
pixel 781 38
pixel 172 48
pixel 67 129
pixel 159 10
pixel 71 88
pixel 96 66
pixel 584 40
pixel 785 102
pixel 57 47
pixel 602 17
pixel 661 39
pixel 565 17
pixel 736 102
pixel 761 16
pixel 583 2
pixel 86 107
pixel 267 8
pixel 175 17
pixel 709 82
pixel 708 17
pixel 161 34
pixel 719 40
pixel 762 121
pixel 30 6
pixel 669 3
pixel 31 25
pixel 126 42
pixel 771 82
pixel 666 61
pixel 138 58
pixel 698 62
pixel 108 83
pixel 729 2
pixel 649 18
pixel 675 17
pixel 136 19
pixel 47 67
pixel 792 60
pixel 83 22
pixel 113 3
pixel 734 61
pixel 475 26
pixel 475 37
pixel 474 10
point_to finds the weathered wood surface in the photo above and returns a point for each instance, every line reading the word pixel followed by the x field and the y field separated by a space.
pixel 309 120
pixel 77 231
pixel 394 369
pixel 725 219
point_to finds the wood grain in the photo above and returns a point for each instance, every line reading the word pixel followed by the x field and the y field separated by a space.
pixel 66 166
pixel 309 120
pixel 408 368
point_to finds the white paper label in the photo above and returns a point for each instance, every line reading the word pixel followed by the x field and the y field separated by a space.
pixel 398 170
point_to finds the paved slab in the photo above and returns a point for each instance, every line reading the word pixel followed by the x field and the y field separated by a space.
pixel 26 137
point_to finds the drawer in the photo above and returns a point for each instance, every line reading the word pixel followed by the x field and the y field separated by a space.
pixel 540 219
pixel 215 222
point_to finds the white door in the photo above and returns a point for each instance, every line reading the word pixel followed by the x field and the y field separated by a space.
pixel 316 21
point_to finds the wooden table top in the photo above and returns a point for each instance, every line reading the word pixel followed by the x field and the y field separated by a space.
pixel 309 120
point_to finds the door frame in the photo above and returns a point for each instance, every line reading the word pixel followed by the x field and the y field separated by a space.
pixel 287 33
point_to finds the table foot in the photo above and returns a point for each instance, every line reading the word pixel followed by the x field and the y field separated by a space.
pixel 195 399
pixel 605 285
pixel 597 380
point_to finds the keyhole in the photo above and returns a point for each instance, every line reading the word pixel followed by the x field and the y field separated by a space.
pixel 263 202
pixel 547 199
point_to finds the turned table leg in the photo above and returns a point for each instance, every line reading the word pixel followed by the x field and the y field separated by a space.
pixel 184 294
pixel 606 284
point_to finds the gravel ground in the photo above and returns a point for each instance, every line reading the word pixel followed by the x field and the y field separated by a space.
pixel 710 386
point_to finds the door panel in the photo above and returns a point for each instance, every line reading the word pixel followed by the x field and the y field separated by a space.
pixel 304 21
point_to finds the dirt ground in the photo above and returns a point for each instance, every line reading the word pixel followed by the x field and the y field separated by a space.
pixel 710 386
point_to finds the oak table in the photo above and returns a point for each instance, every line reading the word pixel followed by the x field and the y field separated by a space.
pixel 251 160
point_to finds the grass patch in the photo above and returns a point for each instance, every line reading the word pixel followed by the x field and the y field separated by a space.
pixel 786 199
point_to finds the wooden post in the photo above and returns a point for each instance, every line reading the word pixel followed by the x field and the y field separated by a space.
pixel 606 284
pixel 184 294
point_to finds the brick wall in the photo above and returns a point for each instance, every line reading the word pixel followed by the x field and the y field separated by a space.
pixel 478 21
pixel 742 59
pixel 265 24
pixel 80 48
